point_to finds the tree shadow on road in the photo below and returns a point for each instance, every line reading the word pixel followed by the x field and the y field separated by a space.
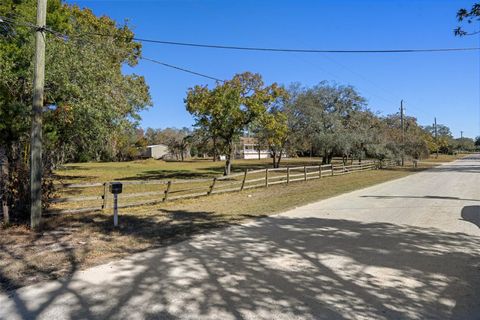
pixel 471 214
pixel 280 267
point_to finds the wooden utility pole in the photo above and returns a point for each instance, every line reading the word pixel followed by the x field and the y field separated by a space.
pixel 37 110
pixel 461 140
pixel 403 132
pixel 4 185
pixel 436 140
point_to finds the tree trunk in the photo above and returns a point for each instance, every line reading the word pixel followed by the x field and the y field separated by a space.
pixel 228 162
pixel 327 157
pixel 228 165
pixel 279 159
pixel 214 149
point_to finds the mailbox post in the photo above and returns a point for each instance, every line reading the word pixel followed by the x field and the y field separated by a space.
pixel 116 189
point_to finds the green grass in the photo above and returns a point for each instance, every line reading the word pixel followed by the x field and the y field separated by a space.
pixel 443 158
pixel 159 169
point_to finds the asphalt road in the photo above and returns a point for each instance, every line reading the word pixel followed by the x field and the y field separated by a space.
pixel 405 249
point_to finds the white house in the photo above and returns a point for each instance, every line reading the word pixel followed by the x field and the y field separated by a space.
pixel 248 148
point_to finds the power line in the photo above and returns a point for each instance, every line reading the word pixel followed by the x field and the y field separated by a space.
pixel 291 50
pixel 214 46
pixel 182 69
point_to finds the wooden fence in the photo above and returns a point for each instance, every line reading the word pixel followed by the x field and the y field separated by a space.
pixel 86 197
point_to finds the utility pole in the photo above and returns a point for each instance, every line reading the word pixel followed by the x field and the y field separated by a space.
pixel 461 140
pixel 436 140
pixel 37 110
pixel 403 133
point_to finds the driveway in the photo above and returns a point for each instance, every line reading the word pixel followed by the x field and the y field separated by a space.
pixel 405 249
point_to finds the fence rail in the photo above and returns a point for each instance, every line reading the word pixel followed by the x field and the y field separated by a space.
pixel 96 196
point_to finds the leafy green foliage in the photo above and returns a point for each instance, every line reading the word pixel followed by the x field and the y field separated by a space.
pixel 469 16
pixel 87 97
pixel 322 116
pixel 226 110
pixel 89 102
pixel 331 120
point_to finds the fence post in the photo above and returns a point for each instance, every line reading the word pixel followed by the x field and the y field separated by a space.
pixel 331 165
pixel 266 177
pixel 105 195
pixel 288 175
pixel 320 172
pixel 211 187
pixel 244 178
pixel 304 173
pixel 169 184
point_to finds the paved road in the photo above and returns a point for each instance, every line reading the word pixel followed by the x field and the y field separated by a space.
pixel 405 249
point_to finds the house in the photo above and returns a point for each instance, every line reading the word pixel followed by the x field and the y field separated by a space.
pixel 248 148
pixel 156 151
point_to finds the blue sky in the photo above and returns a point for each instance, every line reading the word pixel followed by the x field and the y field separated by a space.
pixel 442 85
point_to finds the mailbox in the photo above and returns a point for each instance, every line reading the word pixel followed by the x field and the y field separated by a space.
pixel 116 187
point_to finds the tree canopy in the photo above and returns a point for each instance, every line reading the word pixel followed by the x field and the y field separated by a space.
pixel 227 109
pixel 87 96
pixel 89 101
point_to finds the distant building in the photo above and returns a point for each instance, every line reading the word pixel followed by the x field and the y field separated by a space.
pixel 156 151
pixel 248 148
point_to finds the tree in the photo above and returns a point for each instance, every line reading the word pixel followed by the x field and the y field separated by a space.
pixel 87 97
pixel 202 144
pixel 464 144
pixel 415 137
pixel 444 139
pixel 470 16
pixel 323 113
pixel 177 141
pixel 363 137
pixel 226 110
pixel 129 143
pixel 272 131
pixel 477 142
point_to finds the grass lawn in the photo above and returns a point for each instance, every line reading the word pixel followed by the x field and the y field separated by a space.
pixel 199 168
pixel 72 242
pixel 443 158
pixel 159 169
